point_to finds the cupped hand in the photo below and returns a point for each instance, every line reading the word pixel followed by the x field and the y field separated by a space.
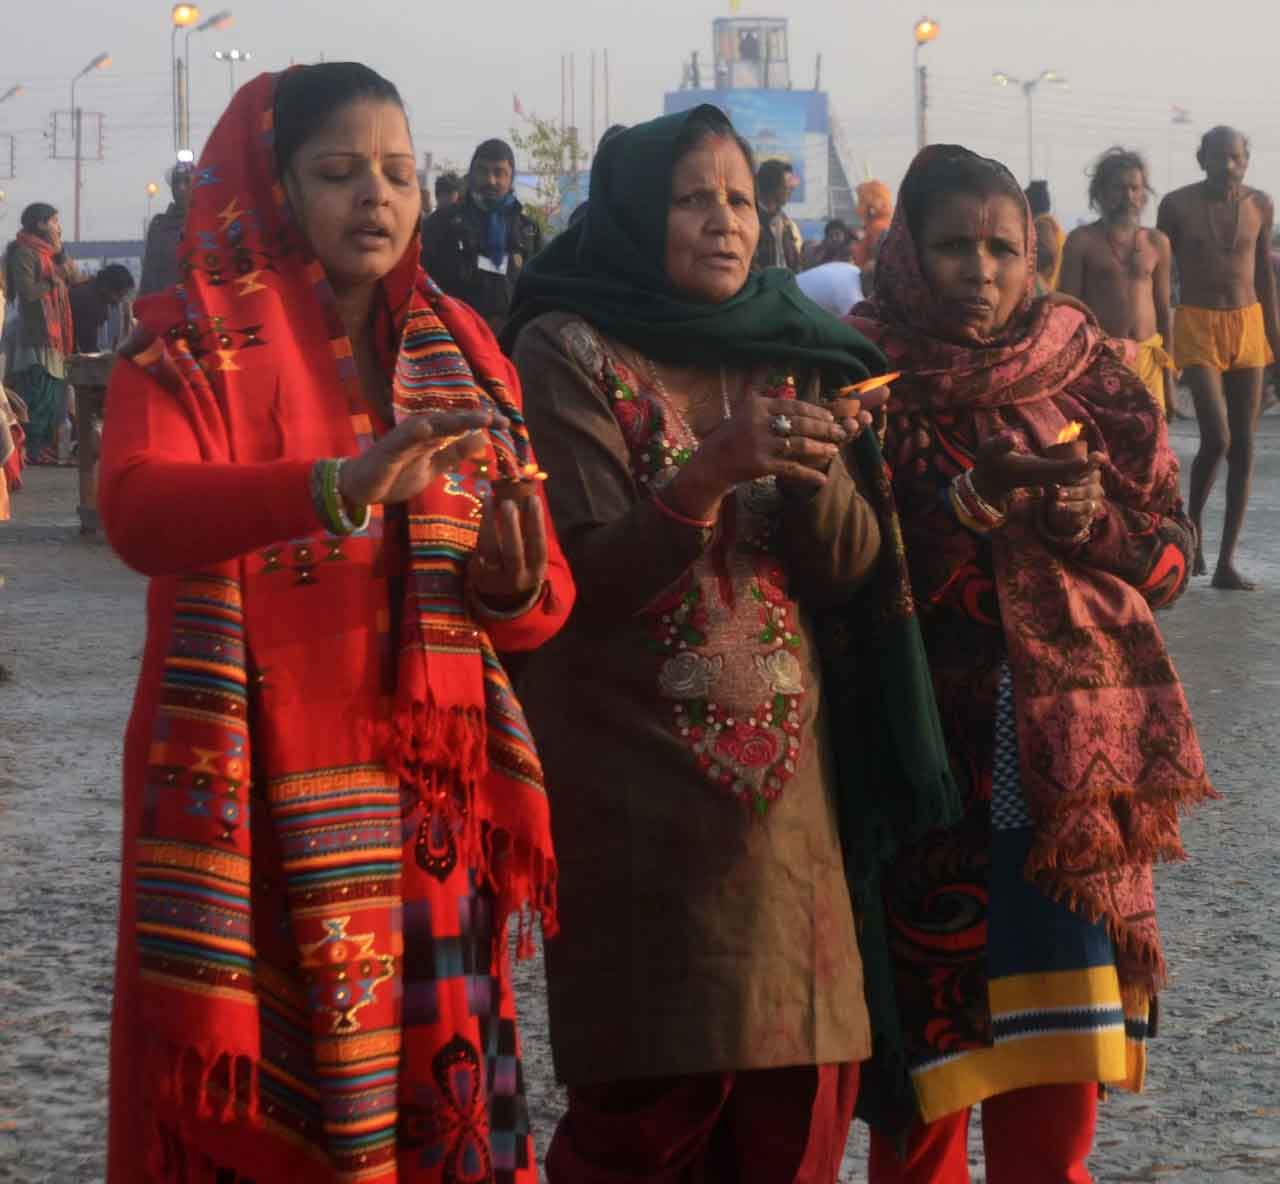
pixel 746 446
pixel 854 413
pixel 1070 509
pixel 510 560
pixel 999 468
pixel 412 455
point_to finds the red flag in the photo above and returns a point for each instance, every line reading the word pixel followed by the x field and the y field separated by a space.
pixel 516 105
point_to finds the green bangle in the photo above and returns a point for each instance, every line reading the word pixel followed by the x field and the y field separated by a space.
pixel 328 500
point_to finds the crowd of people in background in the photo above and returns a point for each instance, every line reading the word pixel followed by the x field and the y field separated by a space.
pixel 827 729
pixel 476 245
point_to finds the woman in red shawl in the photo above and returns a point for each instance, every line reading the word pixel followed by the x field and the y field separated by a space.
pixel 1024 939
pixel 332 803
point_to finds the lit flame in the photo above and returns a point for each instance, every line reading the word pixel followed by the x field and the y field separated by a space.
pixel 870 384
pixel 528 472
pixel 1070 433
pixel 525 472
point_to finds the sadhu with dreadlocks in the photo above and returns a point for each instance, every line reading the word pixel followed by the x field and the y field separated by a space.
pixel 1121 269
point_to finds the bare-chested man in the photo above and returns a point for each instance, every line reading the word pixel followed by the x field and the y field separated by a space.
pixel 1226 329
pixel 1122 270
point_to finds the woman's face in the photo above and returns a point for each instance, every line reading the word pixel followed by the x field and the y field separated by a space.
pixel 712 225
pixel 354 189
pixel 973 255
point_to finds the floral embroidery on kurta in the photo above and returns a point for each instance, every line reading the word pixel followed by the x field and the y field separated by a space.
pixel 735 701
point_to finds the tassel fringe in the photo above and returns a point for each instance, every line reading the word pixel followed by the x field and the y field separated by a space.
pixel 521 876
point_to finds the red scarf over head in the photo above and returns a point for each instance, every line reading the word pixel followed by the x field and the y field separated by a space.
pixel 56 302
pixel 1108 749
pixel 292 726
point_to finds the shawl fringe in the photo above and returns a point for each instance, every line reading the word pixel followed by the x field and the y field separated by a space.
pixel 1140 963
pixel 1140 960
pixel 226 1082
pixel 194 1084
pixel 521 876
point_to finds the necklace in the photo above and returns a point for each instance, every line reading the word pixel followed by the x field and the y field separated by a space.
pixel 1227 247
pixel 1129 264
pixel 661 388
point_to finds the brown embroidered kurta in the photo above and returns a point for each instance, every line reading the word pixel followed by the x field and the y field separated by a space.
pixel 705 919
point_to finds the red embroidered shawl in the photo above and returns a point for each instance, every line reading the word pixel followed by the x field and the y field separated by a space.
pixel 277 750
pixel 1108 748
pixel 56 302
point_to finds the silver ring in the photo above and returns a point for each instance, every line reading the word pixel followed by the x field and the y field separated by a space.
pixel 780 425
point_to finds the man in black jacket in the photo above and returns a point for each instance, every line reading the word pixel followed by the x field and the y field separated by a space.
pixel 475 250
pixel 160 255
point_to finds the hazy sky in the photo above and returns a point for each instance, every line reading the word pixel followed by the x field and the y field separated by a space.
pixel 458 62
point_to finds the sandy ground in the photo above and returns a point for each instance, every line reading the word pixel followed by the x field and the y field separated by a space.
pixel 70 636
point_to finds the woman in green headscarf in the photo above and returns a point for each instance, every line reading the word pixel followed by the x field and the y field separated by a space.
pixel 714 494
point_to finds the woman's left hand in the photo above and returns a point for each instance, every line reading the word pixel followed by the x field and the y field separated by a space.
pixel 1069 510
pixel 510 560
pixel 851 415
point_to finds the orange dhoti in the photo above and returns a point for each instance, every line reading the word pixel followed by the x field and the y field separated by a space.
pixel 1150 362
pixel 1222 339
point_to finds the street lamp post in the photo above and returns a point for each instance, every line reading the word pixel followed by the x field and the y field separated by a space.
pixel 183 16
pixel 1029 87
pixel 219 20
pixel 101 62
pixel 231 56
pixel 12 93
pixel 926 30
pixel 152 190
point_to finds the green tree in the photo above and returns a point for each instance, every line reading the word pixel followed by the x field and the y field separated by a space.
pixel 550 151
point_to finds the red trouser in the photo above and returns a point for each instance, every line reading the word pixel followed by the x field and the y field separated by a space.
pixel 760 1126
pixel 1041 1135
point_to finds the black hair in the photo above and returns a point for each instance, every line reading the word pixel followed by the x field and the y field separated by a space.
pixel 1037 195
pixel 709 123
pixel 34 214
pixel 1221 132
pixel 948 170
pixel 115 277
pixel 494 150
pixel 836 224
pixel 306 96
pixel 448 184
pixel 1110 165
pixel 772 176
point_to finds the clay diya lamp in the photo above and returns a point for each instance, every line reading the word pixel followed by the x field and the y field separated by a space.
pixel 1069 446
pixel 519 486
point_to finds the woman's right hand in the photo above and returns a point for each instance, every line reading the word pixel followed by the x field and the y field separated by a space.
pixel 999 468
pixel 412 455
pixel 746 446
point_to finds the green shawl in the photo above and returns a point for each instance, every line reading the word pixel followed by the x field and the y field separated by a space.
pixel 893 782
pixel 609 269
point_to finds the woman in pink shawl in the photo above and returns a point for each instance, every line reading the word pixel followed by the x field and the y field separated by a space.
pixel 1024 940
